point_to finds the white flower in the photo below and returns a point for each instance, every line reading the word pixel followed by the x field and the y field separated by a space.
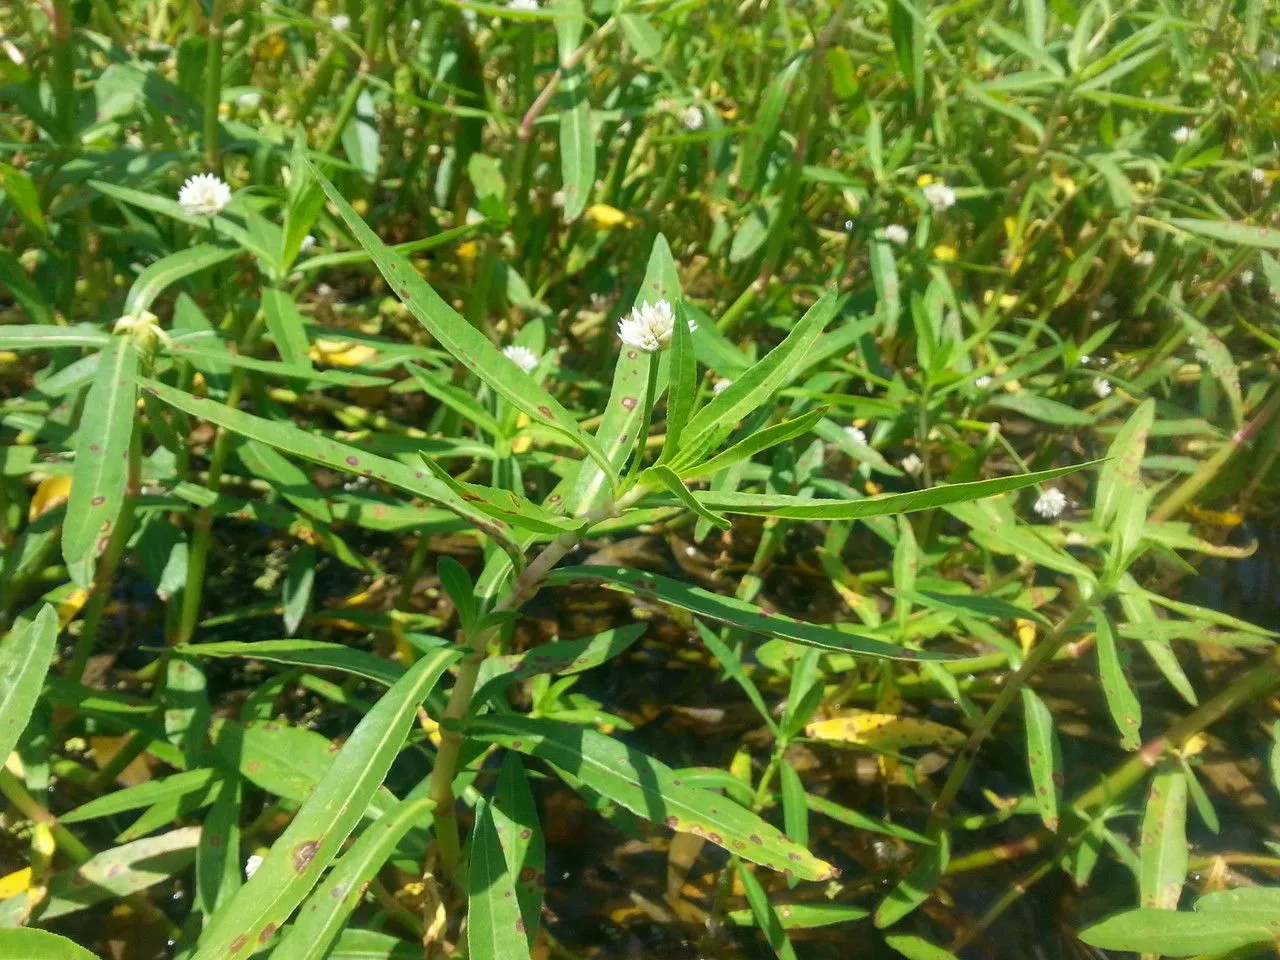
pixel 982 382
pixel 249 101
pixel 1144 259
pixel 1101 387
pixel 415 24
pixel 940 196
pixel 341 23
pixel 1051 503
pixel 856 435
pixel 204 195
pixel 557 198
pixel 1084 359
pixel 251 865
pixel 307 243
pixel 1183 135
pixel 912 464
pixel 526 5
pixel 649 326
pixel 1269 59
pixel 896 233
pixel 1258 175
pixel 721 385
pixel 474 216
pixel 1246 278
pixel 522 357
pixel 692 118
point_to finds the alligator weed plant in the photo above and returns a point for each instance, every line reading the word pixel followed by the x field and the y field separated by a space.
pixel 613 478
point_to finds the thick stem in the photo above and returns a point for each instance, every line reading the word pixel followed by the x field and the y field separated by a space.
pixel 64 78
pixel 213 87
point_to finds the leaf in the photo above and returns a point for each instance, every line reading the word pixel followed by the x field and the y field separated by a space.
pixel 1042 409
pixel 804 916
pixel 337 456
pixel 1122 470
pixel 754 387
pixel 21 191
pixel 735 612
pixel 505 506
pixel 1214 353
pixel 1122 702
pixel 299 578
pixel 733 667
pixel 218 868
pixel 515 816
pixel 883 731
pixel 682 376
pixel 101 470
pixel 331 904
pixel 186 783
pixel 25 655
pixel 23 943
pixel 755 442
pixel 641 36
pixel 862 821
pixel 463 341
pixel 1200 797
pixel 324 821
pixel 650 788
pixel 36 336
pixel 1044 756
pixel 1180 934
pixel 1163 850
pixel 765 916
pixel 166 271
pixel 1242 234
pixel 917 948
pixel 304 653
pixel 495 928
pixel 285 477
pixel 806 508
pixel 286 325
pixel 913 889
pixel 116 873
pixel 884 275
pixel 560 657
pixel 666 477
pixel 577 141
pixel 760 137
pixel 975 605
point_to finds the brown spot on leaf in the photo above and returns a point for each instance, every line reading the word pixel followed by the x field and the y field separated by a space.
pixel 303 854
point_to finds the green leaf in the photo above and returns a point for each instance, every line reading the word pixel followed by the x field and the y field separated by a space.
pixel 495 928
pixel 755 442
pixel 116 873
pixel 325 819
pixel 1044 757
pixel 560 657
pixel 577 141
pixel 682 374
pixel 1180 934
pixel 218 868
pixel 25 655
pixel 467 344
pixel 913 889
pixel 20 190
pixel 23 943
pixel 751 161
pixel 299 579
pixel 286 324
pixel 733 667
pixel 651 789
pixel 331 904
pixel 974 605
pixel 755 387
pixel 805 508
pixel 37 336
pixel 666 477
pixel 456 399
pixel 804 916
pixel 884 276
pixel 166 271
pixel 862 821
pixel 285 477
pixel 641 36
pixel 101 471
pixel 212 354
pixel 1042 409
pixel 1163 850
pixel 1123 468
pixel 641 583
pixel 336 456
pixel 1214 353
pixel 15 280
pixel 503 505
pixel 1241 234
pixel 917 948
pixel 515 816
pixel 1122 702
pixel 187 783
pixel 304 653
pixel 765 916
pixel 1200 798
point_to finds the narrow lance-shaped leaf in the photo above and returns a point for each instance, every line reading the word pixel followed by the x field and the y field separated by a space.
pixel 1124 464
pixel 577 141
pixel 559 657
pixel 765 916
pixel 651 789
pixel 101 472
pixel 1122 702
pixel 495 929
pixel 324 821
pixel 1163 851
pixel 317 654
pixel 286 324
pixel 24 943
pixel 515 815
pixel 25 655
pixel 331 904
pixel 467 344
pixel 155 278
pixel 913 889
pixel 1044 758
pixel 736 612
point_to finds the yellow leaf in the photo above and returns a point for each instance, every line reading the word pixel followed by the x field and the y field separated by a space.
pixel 52 492
pixel 7 358
pixel 70 605
pixel 1216 518
pixel 606 217
pixel 1026 634
pixel 1194 745
pixel 342 353
pixel 883 731
pixel 15 883
pixel 924 180
pixel 468 250
pixel 522 442
pixel 944 252
pixel 271 47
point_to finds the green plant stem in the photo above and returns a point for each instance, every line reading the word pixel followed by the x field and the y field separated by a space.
pixel 1039 655
pixel 64 78
pixel 213 86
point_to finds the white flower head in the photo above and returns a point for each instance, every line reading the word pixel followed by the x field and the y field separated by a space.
pixel 912 464
pixel 525 5
pixel 692 118
pixel 982 382
pixel 721 385
pixel 251 865
pixel 1183 135
pixel 1144 258
pixel 1246 278
pixel 249 101
pixel 649 326
pixel 204 195
pixel 341 22
pixel 896 233
pixel 1258 175
pixel 1084 359
pixel 1101 387
pixel 308 242
pixel 415 24
pixel 522 357
pixel 856 435
pixel 1269 59
pixel 1051 503
pixel 940 196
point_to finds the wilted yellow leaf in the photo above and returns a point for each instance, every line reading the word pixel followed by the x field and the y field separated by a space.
pixel 1216 518
pixel 15 883
pixel 606 217
pixel 523 441
pixel 883 731
pixel 70 605
pixel 944 252
pixel 924 180
pixel 52 492
pixel 1194 745
pixel 1026 634
pixel 468 250
pixel 271 47
pixel 342 353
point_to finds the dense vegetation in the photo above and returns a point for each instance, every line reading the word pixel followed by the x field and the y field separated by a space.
pixel 619 478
